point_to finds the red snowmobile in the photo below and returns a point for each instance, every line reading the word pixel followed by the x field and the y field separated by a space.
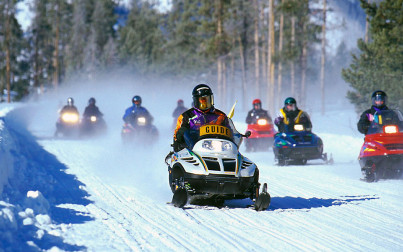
pixel 262 135
pixel 381 155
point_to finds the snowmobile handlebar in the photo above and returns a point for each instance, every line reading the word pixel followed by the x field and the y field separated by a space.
pixel 247 134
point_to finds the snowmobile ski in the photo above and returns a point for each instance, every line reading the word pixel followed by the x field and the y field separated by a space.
pixel 263 200
pixel 180 197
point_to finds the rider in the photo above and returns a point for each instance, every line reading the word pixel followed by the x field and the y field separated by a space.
pixel 69 107
pixel 202 112
pixel 379 100
pixel 92 109
pixel 257 112
pixel 135 110
pixel 291 115
pixel 179 109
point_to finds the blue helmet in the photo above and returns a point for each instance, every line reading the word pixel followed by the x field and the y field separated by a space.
pixel 136 100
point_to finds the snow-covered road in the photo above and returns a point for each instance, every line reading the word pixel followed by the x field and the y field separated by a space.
pixel 104 196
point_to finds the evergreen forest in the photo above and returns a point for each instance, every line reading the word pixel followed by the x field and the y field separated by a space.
pixel 269 49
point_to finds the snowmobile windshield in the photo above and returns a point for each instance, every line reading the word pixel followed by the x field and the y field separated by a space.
pixel 213 131
pixel 386 121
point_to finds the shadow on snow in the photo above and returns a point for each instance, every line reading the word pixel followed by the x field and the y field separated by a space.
pixel 37 169
pixel 298 203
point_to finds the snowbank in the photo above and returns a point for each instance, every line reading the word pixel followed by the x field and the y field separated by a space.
pixel 26 214
pixel 6 147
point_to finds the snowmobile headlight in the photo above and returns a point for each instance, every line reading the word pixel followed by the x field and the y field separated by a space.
pixel 207 145
pixel 262 122
pixel 226 146
pixel 389 129
pixel 70 117
pixel 93 118
pixel 215 145
pixel 298 127
pixel 141 121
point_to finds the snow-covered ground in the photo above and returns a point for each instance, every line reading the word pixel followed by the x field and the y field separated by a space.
pixel 99 195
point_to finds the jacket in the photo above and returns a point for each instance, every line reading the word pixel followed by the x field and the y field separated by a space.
pixel 194 118
pixel 288 119
pixel 364 122
pixel 255 114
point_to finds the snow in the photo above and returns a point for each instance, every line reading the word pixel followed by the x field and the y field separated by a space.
pixel 98 195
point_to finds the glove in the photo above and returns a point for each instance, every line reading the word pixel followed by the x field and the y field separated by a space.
pixel 370 117
pixel 178 146
pixel 278 120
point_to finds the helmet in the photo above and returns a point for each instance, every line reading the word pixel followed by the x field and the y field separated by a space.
pixel 257 103
pixel 203 97
pixel 379 98
pixel 136 100
pixel 70 101
pixel 91 101
pixel 180 102
pixel 290 104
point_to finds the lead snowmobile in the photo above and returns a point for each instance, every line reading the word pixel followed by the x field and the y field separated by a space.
pixel 381 155
pixel 211 167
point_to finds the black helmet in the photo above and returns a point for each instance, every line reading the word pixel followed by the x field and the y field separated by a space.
pixel 136 100
pixel 379 98
pixel 203 97
pixel 70 101
pixel 290 103
pixel 91 101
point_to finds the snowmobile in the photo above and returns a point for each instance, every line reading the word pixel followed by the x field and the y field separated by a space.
pixel 67 124
pixel 211 168
pixel 92 125
pixel 381 155
pixel 297 145
pixel 262 135
pixel 139 129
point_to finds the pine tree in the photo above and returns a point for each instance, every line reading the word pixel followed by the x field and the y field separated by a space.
pixel 184 47
pixel 13 58
pixel 141 40
pixel 379 66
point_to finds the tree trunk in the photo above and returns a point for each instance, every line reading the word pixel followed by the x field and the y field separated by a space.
pixel 56 52
pixel 8 45
pixel 270 54
pixel 323 60
pixel 293 61
pixel 256 38
pixel 8 69
pixel 224 83
pixel 303 66
pixel 232 71
pixel 366 26
pixel 218 5
pixel 263 38
pixel 241 52
pixel 280 63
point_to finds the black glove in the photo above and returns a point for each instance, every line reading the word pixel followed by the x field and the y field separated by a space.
pixel 178 146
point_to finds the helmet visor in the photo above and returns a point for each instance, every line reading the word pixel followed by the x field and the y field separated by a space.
pixel 379 100
pixel 204 102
